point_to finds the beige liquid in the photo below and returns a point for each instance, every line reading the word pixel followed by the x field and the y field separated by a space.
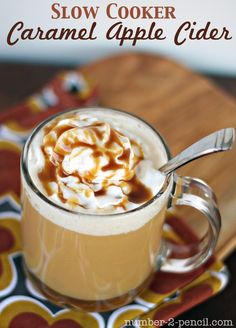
pixel 87 267
pixel 93 261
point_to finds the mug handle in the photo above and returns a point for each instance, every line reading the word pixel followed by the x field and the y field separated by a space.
pixel 194 193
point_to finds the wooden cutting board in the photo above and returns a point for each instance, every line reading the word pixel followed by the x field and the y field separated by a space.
pixel 184 107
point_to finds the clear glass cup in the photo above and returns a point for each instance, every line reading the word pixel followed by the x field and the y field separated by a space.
pixel 97 262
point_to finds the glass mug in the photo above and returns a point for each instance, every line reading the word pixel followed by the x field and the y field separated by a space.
pixel 98 262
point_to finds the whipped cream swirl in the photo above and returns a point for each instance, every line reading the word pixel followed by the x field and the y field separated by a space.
pixel 90 164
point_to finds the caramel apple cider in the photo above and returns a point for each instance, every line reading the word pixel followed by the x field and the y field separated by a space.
pixel 93 206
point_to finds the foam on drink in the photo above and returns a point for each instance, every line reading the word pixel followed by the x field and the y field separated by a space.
pixel 91 231
pixel 89 163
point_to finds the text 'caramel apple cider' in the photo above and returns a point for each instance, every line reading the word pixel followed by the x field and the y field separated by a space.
pixel 93 207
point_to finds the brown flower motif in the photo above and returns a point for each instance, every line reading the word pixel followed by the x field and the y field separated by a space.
pixel 25 312
pixel 9 244
pixel 29 320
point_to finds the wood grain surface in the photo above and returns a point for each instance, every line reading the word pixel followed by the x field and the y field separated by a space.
pixel 184 107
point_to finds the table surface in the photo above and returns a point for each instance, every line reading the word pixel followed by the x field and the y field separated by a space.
pixel 18 80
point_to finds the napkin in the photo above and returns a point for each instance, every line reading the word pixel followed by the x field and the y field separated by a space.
pixel 21 306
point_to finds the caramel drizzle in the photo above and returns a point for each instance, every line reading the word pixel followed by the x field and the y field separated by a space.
pixel 139 192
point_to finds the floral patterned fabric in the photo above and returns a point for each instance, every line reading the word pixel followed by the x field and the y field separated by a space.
pixel 21 306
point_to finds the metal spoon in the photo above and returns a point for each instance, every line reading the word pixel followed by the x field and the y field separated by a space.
pixel 218 141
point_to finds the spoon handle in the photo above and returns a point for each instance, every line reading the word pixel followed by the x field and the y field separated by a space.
pixel 218 141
